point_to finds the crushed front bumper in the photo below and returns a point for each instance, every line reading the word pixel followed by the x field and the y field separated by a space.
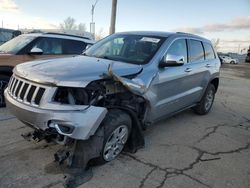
pixel 76 123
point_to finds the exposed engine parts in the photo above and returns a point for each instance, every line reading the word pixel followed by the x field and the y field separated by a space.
pixel 104 93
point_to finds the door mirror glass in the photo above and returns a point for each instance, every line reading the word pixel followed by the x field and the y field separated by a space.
pixel 87 47
pixel 172 60
pixel 36 51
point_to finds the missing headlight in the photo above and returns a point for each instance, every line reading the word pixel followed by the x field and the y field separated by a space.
pixel 73 96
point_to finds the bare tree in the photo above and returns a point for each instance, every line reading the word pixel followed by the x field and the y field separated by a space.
pixel 215 43
pixel 100 34
pixel 68 24
pixel 82 27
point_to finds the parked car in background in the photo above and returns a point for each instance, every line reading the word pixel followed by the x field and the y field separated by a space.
pixel 228 59
pixel 122 84
pixel 8 34
pixel 34 46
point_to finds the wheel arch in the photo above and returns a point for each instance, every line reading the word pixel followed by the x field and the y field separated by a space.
pixel 215 82
pixel 136 138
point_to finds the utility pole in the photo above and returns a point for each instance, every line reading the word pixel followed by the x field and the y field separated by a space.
pixel 113 17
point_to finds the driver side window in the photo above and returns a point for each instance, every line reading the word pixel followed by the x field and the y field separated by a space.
pixel 178 48
pixel 49 46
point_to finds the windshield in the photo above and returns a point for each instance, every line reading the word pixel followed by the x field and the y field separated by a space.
pixel 136 49
pixel 14 45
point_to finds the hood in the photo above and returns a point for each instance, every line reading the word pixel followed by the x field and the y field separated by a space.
pixel 73 71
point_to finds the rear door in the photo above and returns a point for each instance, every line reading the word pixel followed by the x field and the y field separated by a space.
pixel 73 47
pixel 196 69
pixel 210 62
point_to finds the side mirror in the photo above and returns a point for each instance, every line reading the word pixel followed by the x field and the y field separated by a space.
pixel 87 47
pixel 172 61
pixel 36 51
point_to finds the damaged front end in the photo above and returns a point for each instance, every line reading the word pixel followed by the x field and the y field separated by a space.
pixel 61 112
pixel 71 116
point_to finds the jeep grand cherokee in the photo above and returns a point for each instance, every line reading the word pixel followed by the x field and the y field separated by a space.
pixel 120 85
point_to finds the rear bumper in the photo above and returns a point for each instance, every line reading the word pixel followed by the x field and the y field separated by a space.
pixel 80 124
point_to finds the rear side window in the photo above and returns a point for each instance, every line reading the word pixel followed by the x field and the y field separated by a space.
pixel 73 46
pixel 196 51
pixel 178 48
pixel 209 52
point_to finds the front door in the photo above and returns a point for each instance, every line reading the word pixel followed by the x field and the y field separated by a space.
pixel 51 48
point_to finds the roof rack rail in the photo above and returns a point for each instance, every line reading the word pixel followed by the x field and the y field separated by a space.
pixel 184 33
pixel 69 35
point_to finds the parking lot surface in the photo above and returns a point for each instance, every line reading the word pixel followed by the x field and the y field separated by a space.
pixel 186 150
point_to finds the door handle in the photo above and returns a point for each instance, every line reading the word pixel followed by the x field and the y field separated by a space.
pixel 188 70
pixel 208 65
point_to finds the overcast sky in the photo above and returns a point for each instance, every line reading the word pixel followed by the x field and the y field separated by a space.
pixel 228 20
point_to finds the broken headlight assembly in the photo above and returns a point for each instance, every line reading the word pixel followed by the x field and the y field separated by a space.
pixel 72 96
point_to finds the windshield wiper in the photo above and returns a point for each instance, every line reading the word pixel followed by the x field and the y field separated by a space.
pixel 104 57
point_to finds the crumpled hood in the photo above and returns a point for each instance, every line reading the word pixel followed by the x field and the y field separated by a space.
pixel 72 71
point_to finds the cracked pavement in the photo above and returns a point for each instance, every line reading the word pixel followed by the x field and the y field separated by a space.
pixel 186 150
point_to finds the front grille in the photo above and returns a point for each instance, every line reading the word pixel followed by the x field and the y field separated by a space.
pixel 25 91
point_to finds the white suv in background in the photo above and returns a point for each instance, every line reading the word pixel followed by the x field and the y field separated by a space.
pixel 228 59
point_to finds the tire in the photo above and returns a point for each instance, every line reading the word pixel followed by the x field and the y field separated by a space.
pixel 232 62
pixel 115 122
pixel 3 84
pixel 206 102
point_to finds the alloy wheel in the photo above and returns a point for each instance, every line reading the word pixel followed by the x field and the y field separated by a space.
pixel 209 100
pixel 115 143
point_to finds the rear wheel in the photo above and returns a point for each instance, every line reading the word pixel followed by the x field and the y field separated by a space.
pixel 206 102
pixel 3 84
pixel 117 127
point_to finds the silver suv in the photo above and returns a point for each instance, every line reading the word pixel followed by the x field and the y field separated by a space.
pixel 118 87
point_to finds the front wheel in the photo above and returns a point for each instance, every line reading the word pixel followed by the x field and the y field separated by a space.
pixel 3 84
pixel 117 128
pixel 206 102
